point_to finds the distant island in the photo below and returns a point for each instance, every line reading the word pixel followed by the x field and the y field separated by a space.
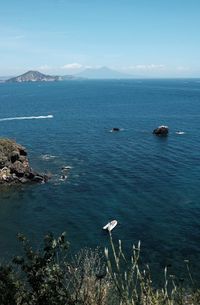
pixel 103 73
pixel 90 73
pixel 35 76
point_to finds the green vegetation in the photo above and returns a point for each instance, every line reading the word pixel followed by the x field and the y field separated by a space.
pixel 48 277
pixel 6 147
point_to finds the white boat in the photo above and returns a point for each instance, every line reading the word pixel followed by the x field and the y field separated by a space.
pixel 110 225
pixel 180 132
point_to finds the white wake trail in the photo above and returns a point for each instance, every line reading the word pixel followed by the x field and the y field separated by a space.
pixel 50 116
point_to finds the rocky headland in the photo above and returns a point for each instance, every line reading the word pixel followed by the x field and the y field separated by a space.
pixel 14 164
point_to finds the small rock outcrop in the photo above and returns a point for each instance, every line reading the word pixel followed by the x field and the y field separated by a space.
pixel 14 164
pixel 115 129
pixel 161 131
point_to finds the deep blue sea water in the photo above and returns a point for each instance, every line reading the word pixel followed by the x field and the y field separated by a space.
pixel 151 185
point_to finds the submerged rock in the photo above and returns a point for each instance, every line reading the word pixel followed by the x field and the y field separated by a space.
pixel 14 164
pixel 161 130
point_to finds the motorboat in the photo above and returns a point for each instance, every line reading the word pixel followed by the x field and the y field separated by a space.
pixel 110 225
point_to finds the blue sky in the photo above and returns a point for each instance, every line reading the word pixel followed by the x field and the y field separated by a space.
pixel 151 38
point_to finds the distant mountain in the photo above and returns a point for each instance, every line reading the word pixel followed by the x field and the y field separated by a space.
pixel 4 78
pixel 103 73
pixel 70 77
pixel 100 73
pixel 33 76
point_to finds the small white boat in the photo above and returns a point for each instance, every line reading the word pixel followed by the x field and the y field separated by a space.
pixel 110 225
pixel 180 132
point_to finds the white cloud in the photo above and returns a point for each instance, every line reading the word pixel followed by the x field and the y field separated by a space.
pixel 88 67
pixel 77 66
pixel 183 69
pixel 44 68
pixel 73 66
pixel 148 67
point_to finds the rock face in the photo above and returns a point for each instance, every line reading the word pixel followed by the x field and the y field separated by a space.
pixel 161 131
pixel 14 164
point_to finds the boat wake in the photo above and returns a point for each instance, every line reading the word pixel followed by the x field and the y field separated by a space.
pixel 50 116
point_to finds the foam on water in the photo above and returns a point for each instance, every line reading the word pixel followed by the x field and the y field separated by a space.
pixel 48 157
pixel 180 132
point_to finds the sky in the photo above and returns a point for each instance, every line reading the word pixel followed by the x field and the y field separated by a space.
pixel 145 38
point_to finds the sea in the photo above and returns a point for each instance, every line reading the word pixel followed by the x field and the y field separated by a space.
pixel 149 184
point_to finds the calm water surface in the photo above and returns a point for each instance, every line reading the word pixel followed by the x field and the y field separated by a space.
pixel 150 185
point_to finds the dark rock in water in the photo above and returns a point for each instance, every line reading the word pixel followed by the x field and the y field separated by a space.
pixel 115 129
pixel 14 164
pixel 161 131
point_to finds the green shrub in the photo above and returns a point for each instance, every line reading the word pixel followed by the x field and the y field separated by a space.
pixel 49 277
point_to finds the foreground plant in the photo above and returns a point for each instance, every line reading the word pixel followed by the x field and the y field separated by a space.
pixel 48 276
pixel 133 284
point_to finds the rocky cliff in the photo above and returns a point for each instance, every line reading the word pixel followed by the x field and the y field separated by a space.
pixel 14 164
